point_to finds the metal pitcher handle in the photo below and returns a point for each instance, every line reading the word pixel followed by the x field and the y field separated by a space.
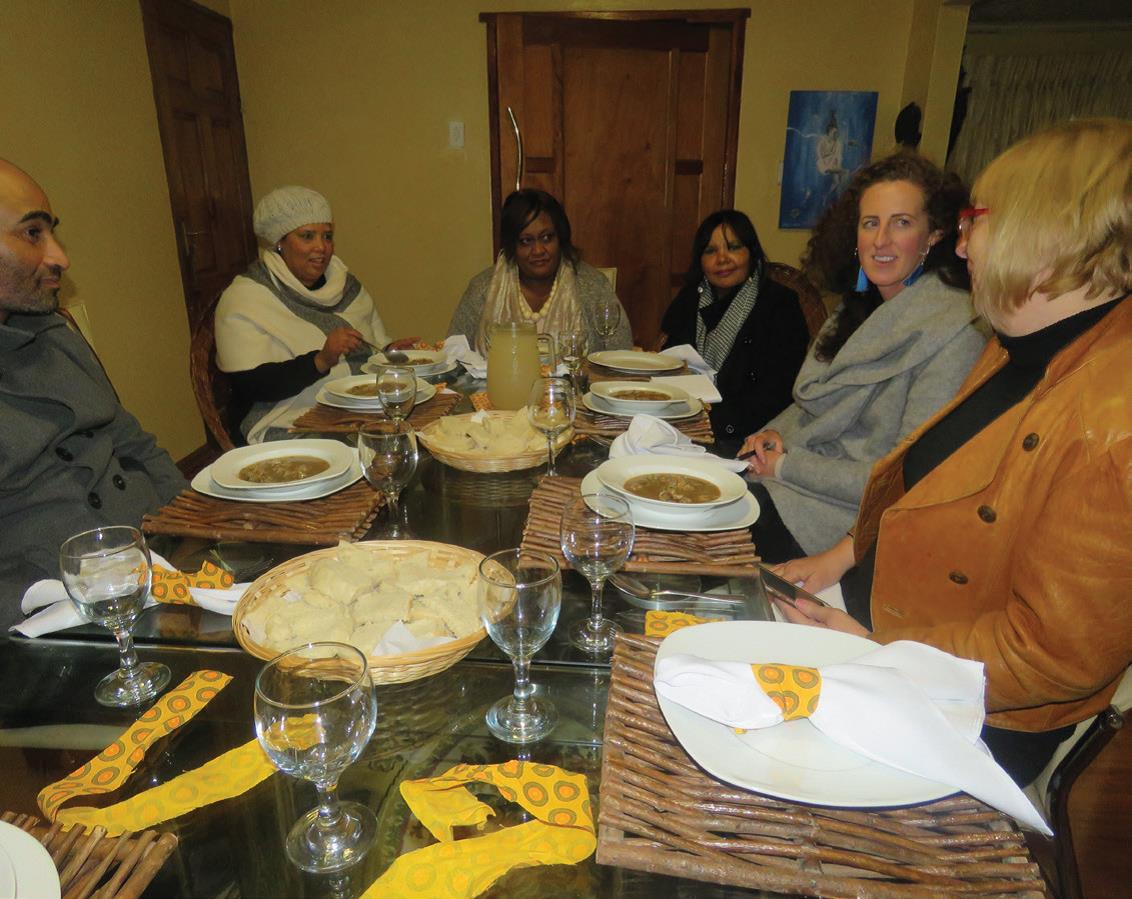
pixel 518 149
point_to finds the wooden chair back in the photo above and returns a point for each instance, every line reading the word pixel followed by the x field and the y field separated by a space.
pixel 809 297
pixel 219 406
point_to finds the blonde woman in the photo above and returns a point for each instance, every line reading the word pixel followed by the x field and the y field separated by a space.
pixel 999 531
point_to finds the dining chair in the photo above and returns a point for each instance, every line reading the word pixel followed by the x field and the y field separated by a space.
pixel 216 397
pixel 1050 790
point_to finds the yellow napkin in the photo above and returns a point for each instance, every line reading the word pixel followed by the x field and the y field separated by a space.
pixel 561 834
pixel 661 624
pixel 173 586
pixel 794 688
pixel 480 401
pixel 229 775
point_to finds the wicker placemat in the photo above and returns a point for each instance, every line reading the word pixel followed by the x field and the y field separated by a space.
pixel 661 813
pixel 697 427
pixel 721 552
pixel 118 867
pixel 345 515
pixel 328 419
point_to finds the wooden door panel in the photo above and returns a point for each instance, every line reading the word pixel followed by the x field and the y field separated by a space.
pixel 612 91
pixel 196 91
pixel 631 120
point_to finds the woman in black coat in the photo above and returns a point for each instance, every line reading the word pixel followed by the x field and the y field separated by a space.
pixel 747 327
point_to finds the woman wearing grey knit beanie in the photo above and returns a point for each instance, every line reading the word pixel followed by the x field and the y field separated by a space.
pixel 296 318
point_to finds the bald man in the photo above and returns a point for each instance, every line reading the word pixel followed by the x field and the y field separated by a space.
pixel 71 458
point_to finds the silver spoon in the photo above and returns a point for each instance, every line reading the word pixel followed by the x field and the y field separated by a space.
pixel 635 588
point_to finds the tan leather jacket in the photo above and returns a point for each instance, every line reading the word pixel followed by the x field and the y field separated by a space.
pixel 1017 550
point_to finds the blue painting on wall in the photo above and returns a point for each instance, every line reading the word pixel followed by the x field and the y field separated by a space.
pixel 829 135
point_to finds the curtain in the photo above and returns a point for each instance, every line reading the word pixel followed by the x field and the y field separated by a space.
pixel 1012 96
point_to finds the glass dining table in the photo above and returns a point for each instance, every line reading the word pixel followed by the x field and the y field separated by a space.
pixel 50 724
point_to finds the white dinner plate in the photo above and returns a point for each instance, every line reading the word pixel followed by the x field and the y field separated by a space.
pixel 204 483
pixel 631 360
pixel 793 760
pixel 425 392
pixel 418 359
pixel 440 368
pixel 674 412
pixel 609 390
pixel 613 473
pixel 337 455
pixel 33 874
pixel 739 514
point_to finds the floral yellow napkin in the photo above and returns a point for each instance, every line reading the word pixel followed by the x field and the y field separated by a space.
pixel 174 586
pixel 228 775
pixel 562 832
pixel 661 624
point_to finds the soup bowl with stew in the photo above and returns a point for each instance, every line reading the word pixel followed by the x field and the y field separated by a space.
pixel 638 396
pixel 672 483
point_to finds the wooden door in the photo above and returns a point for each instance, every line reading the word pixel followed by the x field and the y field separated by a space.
pixel 632 121
pixel 193 65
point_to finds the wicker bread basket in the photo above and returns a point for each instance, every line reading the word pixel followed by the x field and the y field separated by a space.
pixel 398 669
pixel 478 462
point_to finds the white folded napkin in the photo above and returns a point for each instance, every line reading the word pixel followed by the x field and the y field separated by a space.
pixel 700 386
pixel 687 353
pixel 456 349
pixel 907 705
pixel 57 612
pixel 647 434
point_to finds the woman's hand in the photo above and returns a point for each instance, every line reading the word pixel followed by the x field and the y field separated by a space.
pixel 814 573
pixel 402 343
pixel 821 616
pixel 768 448
pixel 339 342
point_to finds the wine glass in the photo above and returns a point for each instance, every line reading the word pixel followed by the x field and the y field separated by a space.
pixel 314 714
pixel 519 599
pixel 607 316
pixel 547 354
pixel 397 387
pixel 107 575
pixel 597 537
pixel 572 348
pixel 551 408
pixel 388 460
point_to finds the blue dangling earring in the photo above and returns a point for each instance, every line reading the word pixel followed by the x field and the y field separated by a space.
pixel 862 280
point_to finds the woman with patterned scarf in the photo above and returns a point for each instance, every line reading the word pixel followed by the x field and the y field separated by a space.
pixel 296 318
pixel 530 283
pixel 750 329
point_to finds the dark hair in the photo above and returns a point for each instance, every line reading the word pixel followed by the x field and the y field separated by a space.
pixel 830 259
pixel 740 226
pixel 524 206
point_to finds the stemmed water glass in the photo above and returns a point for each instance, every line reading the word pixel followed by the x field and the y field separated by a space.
pixel 551 408
pixel 397 387
pixel 547 354
pixel 608 317
pixel 572 349
pixel 388 460
pixel 314 714
pixel 597 536
pixel 107 574
pixel 519 599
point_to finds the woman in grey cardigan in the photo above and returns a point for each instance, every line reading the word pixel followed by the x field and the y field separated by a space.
pixel 897 349
pixel 539 278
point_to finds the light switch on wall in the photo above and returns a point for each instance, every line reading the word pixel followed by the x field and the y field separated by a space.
pixel 456 135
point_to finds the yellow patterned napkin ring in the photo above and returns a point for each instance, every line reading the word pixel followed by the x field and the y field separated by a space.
pixel 794 689
pixel 229 775
pixel 173 586
pixel 562 832
pixel 661 624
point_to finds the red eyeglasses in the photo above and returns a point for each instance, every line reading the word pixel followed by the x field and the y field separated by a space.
pixel 967 218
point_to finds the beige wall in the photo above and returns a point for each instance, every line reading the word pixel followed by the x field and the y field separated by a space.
pixel 354 98
pixel 358 107
pixel 78 114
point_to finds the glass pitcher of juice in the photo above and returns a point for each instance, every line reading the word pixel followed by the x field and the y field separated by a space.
pixel 512 364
